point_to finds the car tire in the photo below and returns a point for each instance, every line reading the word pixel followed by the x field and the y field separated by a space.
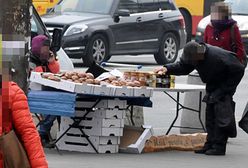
pixel 188 23
pixel 168 49
pixel 98 50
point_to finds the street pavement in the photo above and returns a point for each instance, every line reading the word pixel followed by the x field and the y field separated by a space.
pixel 236 155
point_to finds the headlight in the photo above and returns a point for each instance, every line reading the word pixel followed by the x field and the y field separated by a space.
pixel 75 29
pixel 244 35
pixel 243 27
pixel 198 33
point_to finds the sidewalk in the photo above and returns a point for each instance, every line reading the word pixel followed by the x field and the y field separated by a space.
pixel 236 157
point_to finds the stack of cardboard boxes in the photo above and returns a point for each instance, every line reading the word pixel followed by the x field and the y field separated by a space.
pixel 103 125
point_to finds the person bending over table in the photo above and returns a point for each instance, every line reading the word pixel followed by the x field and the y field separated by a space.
pixel 221 71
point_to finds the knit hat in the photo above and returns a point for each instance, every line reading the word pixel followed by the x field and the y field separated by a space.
pixel 38 42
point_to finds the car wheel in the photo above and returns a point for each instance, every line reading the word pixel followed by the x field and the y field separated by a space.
pixel 168 49
pixel 98 50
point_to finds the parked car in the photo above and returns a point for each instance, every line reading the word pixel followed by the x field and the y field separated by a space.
pixel 239 13
pixel 94 30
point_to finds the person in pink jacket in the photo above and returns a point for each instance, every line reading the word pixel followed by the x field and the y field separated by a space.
pixel 42 59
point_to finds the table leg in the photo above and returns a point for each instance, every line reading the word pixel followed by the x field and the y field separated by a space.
pixel 200 103
pixel 177 113
pixel 130 109
pixel 39 119
pixel 179 106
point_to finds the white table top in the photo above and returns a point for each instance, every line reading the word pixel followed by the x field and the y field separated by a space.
pixel 182 88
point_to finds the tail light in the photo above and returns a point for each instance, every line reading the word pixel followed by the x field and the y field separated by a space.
pixel 182 22
pixel 51 1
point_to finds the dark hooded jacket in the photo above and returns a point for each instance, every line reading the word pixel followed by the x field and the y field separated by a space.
pixel 220 70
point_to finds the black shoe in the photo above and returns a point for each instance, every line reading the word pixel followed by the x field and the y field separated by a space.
pixel 215 152
pixel 201 151
pixel 45 140
pixel 47 144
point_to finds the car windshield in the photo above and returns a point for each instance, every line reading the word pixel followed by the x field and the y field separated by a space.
pixel 88 6
pixel 238 6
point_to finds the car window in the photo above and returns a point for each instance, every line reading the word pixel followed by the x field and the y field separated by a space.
pixel 89 6
pixel 167 5
pixel 238 6
pixel 131 5
pixel 148 5
pixel 36 28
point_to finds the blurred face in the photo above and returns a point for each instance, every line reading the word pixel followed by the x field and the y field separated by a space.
pixel 220 12
pixel 44 53
pixel 194 54
pixel 216 14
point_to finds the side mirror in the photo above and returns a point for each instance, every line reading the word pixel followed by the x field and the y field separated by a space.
pixel 56 40
pixel 121 12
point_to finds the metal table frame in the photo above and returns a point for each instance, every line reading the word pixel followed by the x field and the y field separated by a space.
pixel 182 88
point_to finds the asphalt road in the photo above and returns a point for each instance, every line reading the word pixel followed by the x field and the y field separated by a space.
pixel 160 119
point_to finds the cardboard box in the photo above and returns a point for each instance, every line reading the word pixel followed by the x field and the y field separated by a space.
pixel 112 103
pixel 143 92
pixel 36 77
pixel 63 84
pixel 84 88
pixel 103 113
pixel 134 139
pixel 90 129
pixel 103 104
pixel 110 113
pixel 99 122
pixel 96 140
pixel 123 91
pixel 80 144
pixel 103 90
pixel 92 89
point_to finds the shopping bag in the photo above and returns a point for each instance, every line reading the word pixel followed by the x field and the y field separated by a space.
pixel 14 155
pixel 225 109
pixel 243 123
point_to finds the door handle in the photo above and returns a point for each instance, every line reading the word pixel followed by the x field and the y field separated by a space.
pixel 161 15
pixel 138 19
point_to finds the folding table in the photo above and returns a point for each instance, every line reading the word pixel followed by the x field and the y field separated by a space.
pixel 63 104
pixel 182 88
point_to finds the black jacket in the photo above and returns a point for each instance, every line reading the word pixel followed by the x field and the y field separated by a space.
pixel 220 70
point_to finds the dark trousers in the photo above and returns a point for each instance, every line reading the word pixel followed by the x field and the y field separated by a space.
pixel 46 124
pixel 216 137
